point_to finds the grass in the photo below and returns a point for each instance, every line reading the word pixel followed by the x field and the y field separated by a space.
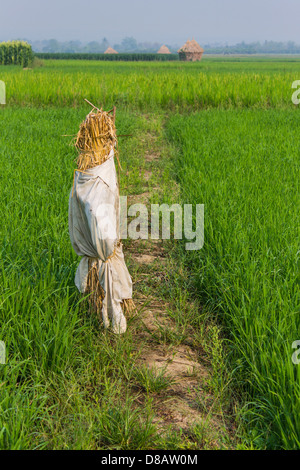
pixel 68 384
pixel 64 378
pixel 176 86
pixel 230 143
pixel 152 380
pixel 244 166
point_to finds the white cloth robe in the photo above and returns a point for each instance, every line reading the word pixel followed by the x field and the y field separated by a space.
pixel 94 233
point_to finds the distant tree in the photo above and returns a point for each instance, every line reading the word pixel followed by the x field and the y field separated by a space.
pixel 93 47
pixel 71 46
pixel 52 46
pixel 291 46
pixel 104 44
pixel 129 44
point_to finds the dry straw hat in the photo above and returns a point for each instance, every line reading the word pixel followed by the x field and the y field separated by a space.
pixel 95 139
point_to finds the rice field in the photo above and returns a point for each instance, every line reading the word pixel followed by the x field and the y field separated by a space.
pixel 150 86
pixel 228 133
pixel 66 384
pixel 244 166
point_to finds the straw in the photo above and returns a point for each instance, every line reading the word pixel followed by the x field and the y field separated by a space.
pixel 191 46
pixel 95 139
pixel 110 50
pixel 164 50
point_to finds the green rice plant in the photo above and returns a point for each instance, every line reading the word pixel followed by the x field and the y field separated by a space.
pixel 244 167
pixel 64 376
pixel 149 86
pixel 239 157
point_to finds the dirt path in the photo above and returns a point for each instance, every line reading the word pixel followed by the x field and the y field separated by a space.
pixel 188 403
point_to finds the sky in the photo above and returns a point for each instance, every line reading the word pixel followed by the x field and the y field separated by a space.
pixel 164 21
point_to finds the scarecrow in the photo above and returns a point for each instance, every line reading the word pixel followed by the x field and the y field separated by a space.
pixel 94 222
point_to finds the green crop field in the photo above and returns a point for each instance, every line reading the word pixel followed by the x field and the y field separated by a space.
pixel 227 136
pixel 244 166
pixel 150 86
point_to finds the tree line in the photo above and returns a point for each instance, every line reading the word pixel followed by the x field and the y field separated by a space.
pixel 131 45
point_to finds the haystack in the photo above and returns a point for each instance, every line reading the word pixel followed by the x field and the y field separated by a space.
pixel 94 222
pixel 164 50
pixel 110 50
pixel 191 51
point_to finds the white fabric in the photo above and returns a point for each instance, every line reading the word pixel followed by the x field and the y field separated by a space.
pixel 94 232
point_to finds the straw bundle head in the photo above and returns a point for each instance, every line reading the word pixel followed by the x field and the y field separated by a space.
pixel 95 139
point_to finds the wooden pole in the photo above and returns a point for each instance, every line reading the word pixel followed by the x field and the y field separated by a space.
pixel 91 104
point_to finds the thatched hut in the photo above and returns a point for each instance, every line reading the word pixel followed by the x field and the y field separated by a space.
pixel 110 50
pixel 164 50
pixel 190 51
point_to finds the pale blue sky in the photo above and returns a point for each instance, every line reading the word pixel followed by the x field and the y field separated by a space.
pixel 166 21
